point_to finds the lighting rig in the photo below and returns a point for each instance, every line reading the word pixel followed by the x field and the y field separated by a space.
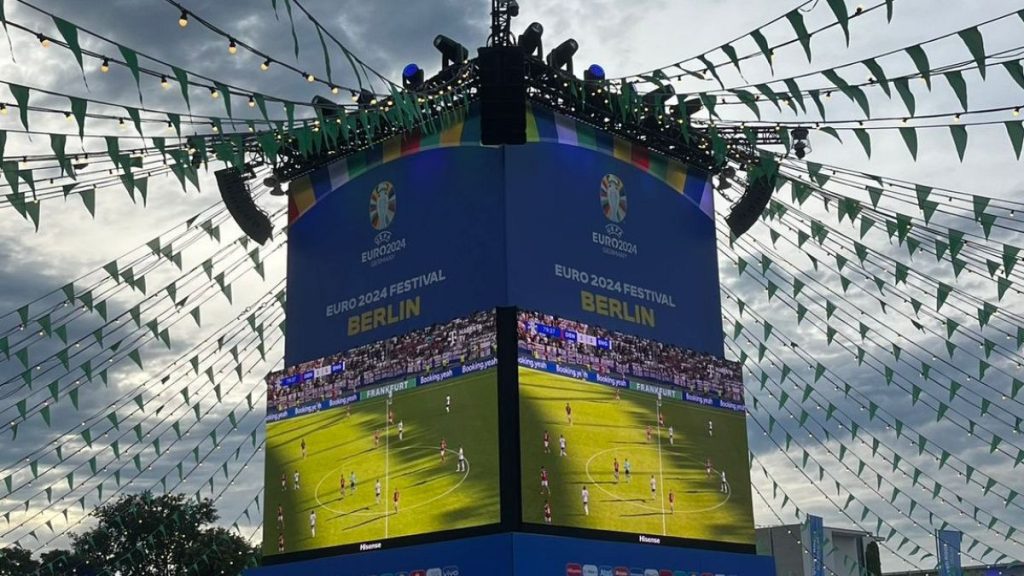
pixel 660 119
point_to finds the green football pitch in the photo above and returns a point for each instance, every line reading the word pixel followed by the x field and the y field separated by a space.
pixel 434 495
pixel 604 429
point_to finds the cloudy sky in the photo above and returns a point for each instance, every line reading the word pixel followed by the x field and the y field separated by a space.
pixel 625 37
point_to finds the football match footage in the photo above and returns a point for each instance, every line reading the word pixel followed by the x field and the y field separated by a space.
pixel 604 449
pixel 398 457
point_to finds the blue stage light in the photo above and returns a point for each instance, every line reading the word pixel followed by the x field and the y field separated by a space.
pixel 412 77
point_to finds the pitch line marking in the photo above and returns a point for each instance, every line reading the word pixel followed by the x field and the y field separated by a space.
pixel 421 504
pixel 619 498
pixel 661 474
pixel 387 462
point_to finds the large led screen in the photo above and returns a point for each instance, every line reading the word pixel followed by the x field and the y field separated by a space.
pixel 600 240
pixel 395 438
pixel 623 434
pixel 406 244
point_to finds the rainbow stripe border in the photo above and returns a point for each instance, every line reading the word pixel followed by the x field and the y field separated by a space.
pixel 542 125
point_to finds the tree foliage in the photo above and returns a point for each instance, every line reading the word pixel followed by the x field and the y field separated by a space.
pixel 153 535
pixel 16 561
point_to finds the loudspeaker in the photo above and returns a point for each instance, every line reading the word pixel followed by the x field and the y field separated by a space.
pixel 253 221
pixel 502 95
pixel 751 205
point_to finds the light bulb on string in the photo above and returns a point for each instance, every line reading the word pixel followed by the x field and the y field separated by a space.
pixel 3 109
pixel 120 123
pixel 105 65
pixel 214 93
pixel 215 129
pixel 232 46
pixel 183 19
pixel 67 116
pixel 43 40
pixel 956 118
pixel 1016 111
pixel 252 102
pixel 265 65
pixel 309 77
pixel 334 89
pixel 164 83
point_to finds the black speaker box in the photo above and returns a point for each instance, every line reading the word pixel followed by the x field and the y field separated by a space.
pixel 253 221
pixel 750 207
pixel 502 95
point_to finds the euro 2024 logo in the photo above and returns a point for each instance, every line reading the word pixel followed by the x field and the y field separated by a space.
pixel 614 205
pixel 383 205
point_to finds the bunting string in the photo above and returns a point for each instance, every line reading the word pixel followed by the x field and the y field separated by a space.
pixel 894 377
pixel 249 352
pixel 873 408
pixel 91 299
pixel 206 352
pixel 127 346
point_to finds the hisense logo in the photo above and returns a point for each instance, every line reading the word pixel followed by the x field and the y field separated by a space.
pixel 383 206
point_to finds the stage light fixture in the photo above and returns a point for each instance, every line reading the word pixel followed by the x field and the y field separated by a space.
pixel 801 142
pixel 594 73
pixel 512 7
pixel 689 107
pixel 412 77
pixel 274 183
pixel 725 178
pixel 365 98
pixel 452 52
pixel 561 57
pixel 659 96
pixel 328 108
pixel 531 41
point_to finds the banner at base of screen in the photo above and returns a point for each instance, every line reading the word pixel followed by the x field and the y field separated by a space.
pixel 947 549
pixel 815 538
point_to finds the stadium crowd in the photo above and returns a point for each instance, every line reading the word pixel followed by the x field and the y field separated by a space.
pixel 631 356
pixel 437 347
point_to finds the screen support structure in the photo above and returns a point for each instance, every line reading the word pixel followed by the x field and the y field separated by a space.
pixel 502 12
